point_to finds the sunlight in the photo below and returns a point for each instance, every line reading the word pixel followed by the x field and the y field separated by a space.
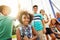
pixel 17 5
pixel 12 4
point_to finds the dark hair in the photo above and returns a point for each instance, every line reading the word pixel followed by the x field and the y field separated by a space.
pixel 35 6
pixel 24 13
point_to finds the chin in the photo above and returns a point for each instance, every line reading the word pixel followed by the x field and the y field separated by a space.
pixel 26 24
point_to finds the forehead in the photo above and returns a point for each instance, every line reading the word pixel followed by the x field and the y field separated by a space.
pixel 53 20
pixel 25 15
pixel 5 8
pixel 42 10
pixel 35 7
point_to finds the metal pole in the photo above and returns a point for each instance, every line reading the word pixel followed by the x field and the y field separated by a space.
pixel 52 8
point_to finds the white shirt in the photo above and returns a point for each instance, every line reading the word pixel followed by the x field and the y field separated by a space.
pixel 46 24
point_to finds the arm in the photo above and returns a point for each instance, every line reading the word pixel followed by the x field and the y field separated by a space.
pixel 58 27
pixel 44 26
pixel 47 19
pixel 18 34
pixel 34 33
pixel 43 22
pixel 53 31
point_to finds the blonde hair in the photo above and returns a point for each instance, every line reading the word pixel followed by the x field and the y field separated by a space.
pixel 2 7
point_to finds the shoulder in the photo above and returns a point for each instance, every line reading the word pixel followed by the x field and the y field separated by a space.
pixel 38 14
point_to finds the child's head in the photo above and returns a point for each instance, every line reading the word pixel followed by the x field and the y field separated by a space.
pixel 5 10
pixel 57 15
pixel 54 22
pixel 25 18
pixel 35 8
pixel 42 11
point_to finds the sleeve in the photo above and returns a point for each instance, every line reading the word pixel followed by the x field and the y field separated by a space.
pixel 32 23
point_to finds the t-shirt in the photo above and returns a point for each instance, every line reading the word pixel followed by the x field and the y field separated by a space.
pixel 26 31
pixel 37 22
pixel 46 24
pixel 5 27
pixel 58 19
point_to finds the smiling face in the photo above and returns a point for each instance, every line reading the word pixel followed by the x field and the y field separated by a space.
pixel 25 19
pixel 53 21
pixel 35 9
pixel 5 11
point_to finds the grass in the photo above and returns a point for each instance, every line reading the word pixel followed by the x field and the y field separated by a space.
pixel 13 36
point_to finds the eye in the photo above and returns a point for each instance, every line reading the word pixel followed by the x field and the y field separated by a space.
pixel 28 17
pixel 24 17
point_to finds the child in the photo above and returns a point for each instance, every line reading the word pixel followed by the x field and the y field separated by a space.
pixel 58 16
pixel 25 31
pixel 49 31
pixel 46 20
pixel 38 22
pixel 5 23
pixel 53 26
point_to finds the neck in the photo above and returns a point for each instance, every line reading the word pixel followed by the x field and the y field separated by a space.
pixel 35 12
pixel 25 25
pixel 43 14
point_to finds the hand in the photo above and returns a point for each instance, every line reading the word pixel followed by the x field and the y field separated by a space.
pixel 44 31
pixel 25 38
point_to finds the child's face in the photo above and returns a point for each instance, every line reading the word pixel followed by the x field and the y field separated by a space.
pixel 35 9
pixel 53 21
pixel 5 11
pixel 25 19
pixel 42 12
pixel 57 15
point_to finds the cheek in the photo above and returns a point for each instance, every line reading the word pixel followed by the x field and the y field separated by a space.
pixel 5 11
pixel 35 9
pixel 53 22
pixel 23 20
pixel 29 20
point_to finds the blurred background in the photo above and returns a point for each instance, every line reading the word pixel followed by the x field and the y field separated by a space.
pixel 50 7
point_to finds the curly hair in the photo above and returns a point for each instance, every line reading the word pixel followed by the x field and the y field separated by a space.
pixel 25 13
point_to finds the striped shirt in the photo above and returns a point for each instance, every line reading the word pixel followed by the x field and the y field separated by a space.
pixel 37 22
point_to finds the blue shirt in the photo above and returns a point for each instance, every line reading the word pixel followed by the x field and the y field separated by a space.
pixel 37 22
pixel 58 19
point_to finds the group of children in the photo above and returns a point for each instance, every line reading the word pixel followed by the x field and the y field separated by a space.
pixel 32 27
